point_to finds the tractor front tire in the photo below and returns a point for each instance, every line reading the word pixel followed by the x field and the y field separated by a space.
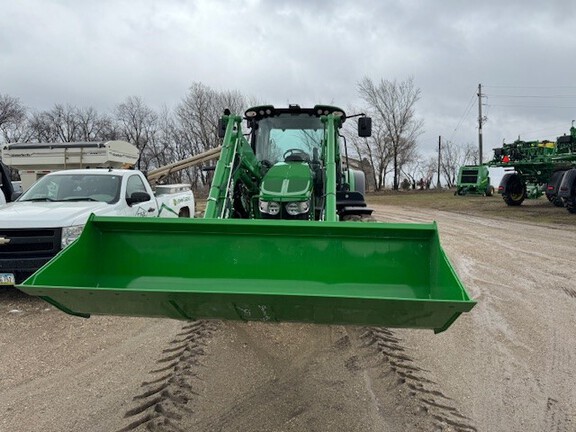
pixel 358 218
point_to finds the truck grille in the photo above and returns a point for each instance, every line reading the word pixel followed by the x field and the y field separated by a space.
pixel 25 243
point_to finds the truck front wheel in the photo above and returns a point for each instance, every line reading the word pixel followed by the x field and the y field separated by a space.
pixel 184 212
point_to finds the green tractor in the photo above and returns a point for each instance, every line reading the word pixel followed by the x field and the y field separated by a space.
pixel 281 240
pixel 475 180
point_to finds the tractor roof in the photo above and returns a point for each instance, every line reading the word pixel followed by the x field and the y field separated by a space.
pixel 259 112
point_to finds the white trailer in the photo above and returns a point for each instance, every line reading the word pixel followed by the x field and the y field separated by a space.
pixel 35 160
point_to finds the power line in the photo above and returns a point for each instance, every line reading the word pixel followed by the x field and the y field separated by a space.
pixel 529 87
pixel 533 96
pixel 550 130
pixel 466 113
pixel 530 106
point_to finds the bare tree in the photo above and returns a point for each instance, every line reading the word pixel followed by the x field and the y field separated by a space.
pixel 412 169
pixel 93 126
pixel 376 150
pixel 394 103
pixel 197 120
pixel 163 147
pixel 13 122
pixel 137 124
pixel 10 109
pixel 40 130
pixel 453 157
pixel 63 122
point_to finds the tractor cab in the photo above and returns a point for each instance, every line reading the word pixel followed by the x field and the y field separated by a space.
pixel 290 145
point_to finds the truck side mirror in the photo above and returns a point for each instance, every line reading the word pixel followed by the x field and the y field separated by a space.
pixel 221 128
pixel 364 127
pixel 138 197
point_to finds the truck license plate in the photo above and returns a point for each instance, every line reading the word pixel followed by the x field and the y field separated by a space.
pixel 7 279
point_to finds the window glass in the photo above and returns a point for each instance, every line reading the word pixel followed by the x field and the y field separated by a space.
pixel 135 184
pixel 276 135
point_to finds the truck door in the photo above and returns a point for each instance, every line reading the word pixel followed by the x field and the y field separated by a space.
pixel 148 208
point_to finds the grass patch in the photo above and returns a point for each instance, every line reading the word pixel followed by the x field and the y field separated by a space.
pixel 535 210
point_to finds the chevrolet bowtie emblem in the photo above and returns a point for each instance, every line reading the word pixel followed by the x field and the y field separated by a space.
pixel 4 240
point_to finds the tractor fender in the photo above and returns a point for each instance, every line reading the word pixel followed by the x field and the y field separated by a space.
pixel 567 187
pixel 506 182
pixel 358 181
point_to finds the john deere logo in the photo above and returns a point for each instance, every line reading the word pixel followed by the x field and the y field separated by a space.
pixel 4 240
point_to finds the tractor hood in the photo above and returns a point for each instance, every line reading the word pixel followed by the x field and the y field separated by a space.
pixel 287 181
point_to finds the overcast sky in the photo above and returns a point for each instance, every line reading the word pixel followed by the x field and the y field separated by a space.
pixel 99 52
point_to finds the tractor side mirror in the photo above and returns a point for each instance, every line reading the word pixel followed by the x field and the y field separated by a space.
pixel 364 127
pixel 221 128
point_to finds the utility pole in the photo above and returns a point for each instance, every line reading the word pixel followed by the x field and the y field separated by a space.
pixel 480 121
pixel 438 186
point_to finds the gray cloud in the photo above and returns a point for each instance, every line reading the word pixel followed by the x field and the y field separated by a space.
pixel 98 53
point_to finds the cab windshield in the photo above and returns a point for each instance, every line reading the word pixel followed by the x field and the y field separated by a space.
pixel 75 187
pixel 276 135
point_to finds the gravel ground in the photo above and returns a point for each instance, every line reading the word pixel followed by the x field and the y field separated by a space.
pixel 506 366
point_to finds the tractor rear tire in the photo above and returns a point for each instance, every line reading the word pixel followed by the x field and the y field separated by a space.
pixel 570 204
pixel 557 201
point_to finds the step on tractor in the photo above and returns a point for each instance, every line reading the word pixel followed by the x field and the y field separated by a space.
pixel 539 168
pixel 474 180
pixel 282 239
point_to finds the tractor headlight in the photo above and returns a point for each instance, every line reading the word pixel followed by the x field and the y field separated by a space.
pixel 270 207
pixel 296 208
pixel 71 233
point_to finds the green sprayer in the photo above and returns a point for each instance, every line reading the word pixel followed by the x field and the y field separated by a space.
pixel 539 168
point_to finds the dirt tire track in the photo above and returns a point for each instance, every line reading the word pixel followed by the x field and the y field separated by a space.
pixel 163 401
pixel 426 391
pixel 291 377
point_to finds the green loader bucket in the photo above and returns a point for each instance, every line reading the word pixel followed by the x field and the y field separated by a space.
pixel 394 275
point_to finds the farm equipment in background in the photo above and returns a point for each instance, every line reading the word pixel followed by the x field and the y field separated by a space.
pixel 475 180
pixel 280 241
pixel 539 168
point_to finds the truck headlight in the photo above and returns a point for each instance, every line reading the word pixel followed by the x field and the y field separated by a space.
pixel 71 233
pixel 296 208
pixel 270 207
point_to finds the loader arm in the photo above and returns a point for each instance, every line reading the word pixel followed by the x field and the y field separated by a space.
pixel 330 152
pixel 237 162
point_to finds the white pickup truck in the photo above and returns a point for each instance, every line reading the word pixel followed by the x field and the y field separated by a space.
pixel 52 213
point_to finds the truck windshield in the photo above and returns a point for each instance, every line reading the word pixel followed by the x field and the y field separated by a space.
pixel 75 187
pixel 276 135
